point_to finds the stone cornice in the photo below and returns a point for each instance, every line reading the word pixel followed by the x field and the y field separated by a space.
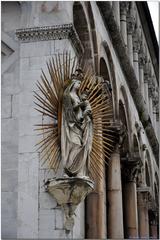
pixel 56 32
pixel 118 43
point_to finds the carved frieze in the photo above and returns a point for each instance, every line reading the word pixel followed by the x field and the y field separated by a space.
pixel 56 32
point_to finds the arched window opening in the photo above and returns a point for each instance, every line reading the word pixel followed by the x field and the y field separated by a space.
pixel 93 34
pixel 80 24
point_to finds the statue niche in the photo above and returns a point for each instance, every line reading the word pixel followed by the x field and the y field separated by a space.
pixel 77 137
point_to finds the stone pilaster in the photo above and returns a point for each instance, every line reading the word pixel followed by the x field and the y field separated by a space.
pixel 123 21
pixel 116 9
pixel 130 29
pixel 156 110
pixel 146 81
pixel 151 90
pixel 136 49
pixel 115 209
pixel 131 20
pixel 142 61
pixel 143 198
pixel 130 172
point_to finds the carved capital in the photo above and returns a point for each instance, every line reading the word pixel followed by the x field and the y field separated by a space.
pixel 142 56
pixel 151 87
pixel 56 32
pixel 144 196
pixel 155 98
pixel 130 171
pixel 136 45
pixel 130 24
pixel 124 8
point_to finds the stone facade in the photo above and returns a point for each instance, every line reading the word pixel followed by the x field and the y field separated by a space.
pixel 112 38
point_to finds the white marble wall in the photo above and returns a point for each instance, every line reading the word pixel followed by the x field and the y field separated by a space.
pixel 38 214
pixel 9 111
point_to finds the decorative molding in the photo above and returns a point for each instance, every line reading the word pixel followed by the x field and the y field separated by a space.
pixel 56 32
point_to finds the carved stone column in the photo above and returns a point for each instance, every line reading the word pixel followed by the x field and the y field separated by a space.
pixel 95 228
pixel 156 110
pixel 123 23
pixel 143 220
pixel 130 200
pixel 130 28
pixel 150 95
pixel 115 209
pixel 146 77
pixel 95 210
pixel 142 61
pixel 136 48
pixel 116 10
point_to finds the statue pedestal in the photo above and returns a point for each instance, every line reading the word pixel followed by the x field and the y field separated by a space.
pixel 69 192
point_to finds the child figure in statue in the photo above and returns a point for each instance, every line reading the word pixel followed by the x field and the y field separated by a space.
pixel 76 129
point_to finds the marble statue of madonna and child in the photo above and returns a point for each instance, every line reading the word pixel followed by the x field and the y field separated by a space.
pixel 76 129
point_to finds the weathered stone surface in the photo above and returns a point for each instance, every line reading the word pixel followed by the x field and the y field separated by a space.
pixel 10 80
pixel 9 161
pixel 9 136
pixel 46 223
pixel 9 209
pixel 15 106
pixel 6 106
pixel 46 201
pixel 11 231
pixel 58 45
pixel 9 180
pixel 59 219
pixel 35 49
pixel 27 128
pixel 28 79
pixel 30 146
pixel 28 195
pixel 79 225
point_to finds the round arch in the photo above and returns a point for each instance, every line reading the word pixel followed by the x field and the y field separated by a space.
pixel 93 35
pixel 126 112
pixel 112 77
pixel 82 28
